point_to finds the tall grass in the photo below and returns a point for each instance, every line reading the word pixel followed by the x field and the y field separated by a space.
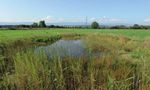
pixel 123 64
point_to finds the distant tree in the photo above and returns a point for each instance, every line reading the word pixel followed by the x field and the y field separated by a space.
pixel 42 24
pixel 136 26
pixel 21 26
pixel 119 27
pixel 34 24
pixel 52 26
pixel 145 27
pixel 95 25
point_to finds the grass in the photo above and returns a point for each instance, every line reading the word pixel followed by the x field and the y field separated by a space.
pixel 10 35
pixel 124 63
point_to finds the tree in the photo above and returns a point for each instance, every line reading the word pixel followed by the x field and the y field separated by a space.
pixel 42 24
pixel 136 26
pixel 119 27
pixel 35 24
pixel 95 25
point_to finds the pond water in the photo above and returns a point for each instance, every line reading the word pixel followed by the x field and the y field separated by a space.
pixel 64 48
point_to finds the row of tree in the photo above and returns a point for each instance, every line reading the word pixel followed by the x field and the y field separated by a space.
pixel 94 25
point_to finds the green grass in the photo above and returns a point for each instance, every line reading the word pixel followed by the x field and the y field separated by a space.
pixel 124 64
pixel 10 35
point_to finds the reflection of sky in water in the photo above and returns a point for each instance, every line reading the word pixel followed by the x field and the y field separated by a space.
pixel 62 48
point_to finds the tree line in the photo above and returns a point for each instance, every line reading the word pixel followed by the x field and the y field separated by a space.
pixel 94 25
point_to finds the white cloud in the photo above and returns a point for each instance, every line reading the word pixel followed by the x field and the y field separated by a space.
pixel 52 19
pixel 48 18
pixel 19 20
pixel 147 20
pixel 111 20
pixel 61 19
pixel 107 20
pixel 92 19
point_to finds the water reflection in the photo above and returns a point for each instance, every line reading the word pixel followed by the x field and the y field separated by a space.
pixel 64 48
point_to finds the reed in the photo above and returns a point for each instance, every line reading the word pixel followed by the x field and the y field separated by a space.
pixel 123 64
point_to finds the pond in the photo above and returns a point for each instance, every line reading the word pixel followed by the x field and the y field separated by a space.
pixel 64 48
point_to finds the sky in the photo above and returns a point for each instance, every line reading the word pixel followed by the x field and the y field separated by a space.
pixel 54 11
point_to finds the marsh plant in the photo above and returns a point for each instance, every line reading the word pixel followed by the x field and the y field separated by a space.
pixel 123 64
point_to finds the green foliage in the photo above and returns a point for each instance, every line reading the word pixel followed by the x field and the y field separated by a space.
pixel 42 24
pixel 119 27
pixel 50 39
pixel 34 24
pixel 95 25
pixel 136 26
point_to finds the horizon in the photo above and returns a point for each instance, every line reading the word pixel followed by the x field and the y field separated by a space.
pixel 66 24
pixel 54 11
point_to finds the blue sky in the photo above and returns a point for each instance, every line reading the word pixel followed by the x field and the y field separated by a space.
pixel 103 11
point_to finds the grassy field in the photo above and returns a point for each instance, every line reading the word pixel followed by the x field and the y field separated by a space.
pixel 10 35
pixel 123 65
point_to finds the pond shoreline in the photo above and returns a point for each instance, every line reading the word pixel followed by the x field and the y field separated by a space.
pixel 7 50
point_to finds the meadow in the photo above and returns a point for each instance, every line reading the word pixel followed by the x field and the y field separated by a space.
pixel 123 65
pixel 12 35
